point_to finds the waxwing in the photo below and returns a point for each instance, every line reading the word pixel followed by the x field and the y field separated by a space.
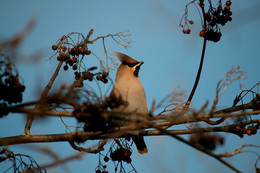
pixel 130 89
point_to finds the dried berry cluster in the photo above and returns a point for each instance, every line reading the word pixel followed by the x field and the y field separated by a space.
pixel 11 88
pixel 71 59
pixel 120 154
pixel 91 114
pixel 207 141
pixel 213 18
pixel 88 75
pixel 70 56
pixel 103 77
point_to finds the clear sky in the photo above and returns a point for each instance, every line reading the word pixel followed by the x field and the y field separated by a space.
pixel 171 60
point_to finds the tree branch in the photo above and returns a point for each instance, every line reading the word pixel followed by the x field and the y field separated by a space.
pixel 81 136
pixel 44 94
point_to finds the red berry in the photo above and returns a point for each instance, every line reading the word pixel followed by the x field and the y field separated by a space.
pixel 227 7
pixel 188 31
pixel 228 3
pixel 219 9
pixel 126 154
pixel 202 33
pixel 191 22
pixel 230 13
pixel 249 132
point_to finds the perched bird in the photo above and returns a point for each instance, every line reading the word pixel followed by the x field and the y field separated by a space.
pixel 129 88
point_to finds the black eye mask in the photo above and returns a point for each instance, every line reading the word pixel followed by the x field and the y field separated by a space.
pixel 131 64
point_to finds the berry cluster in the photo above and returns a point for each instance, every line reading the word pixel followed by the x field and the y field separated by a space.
pixel 120 154
pixel 11 88
pixel 71 59
pixel 69 56
pixel 103 77
pixel 250 130
pixel 102 169
pixel 207 141
pixel 91 114
pixel 213 18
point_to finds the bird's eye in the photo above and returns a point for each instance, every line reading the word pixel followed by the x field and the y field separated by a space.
pixel 131 64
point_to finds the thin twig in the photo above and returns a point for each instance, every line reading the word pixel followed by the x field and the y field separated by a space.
pixel 201 64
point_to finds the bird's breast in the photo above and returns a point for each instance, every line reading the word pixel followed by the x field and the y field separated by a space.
pixel 133 93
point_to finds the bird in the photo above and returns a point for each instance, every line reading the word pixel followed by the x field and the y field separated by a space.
pixel 129 88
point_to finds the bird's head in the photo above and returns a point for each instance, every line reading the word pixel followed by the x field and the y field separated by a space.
pixel 129 66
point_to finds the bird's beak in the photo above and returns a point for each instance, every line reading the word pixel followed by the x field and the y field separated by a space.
pixel 140 63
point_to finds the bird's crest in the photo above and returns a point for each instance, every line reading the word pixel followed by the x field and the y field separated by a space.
pixel 125 59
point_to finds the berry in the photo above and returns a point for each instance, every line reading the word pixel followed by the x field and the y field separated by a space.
pixel 191 22
pixel 70 62
pixel 66 67
pixel 129 160
pixel 64 48
pixel 74 59
pixel 228 18
pixel 202 33
pixel 249 132
pixel 105 74
pixel 222 20
pixel 219 9
pixel 54 47
pixel 73 51
pixel 81 51
pixel 188 31
pixel 229 13
pixel 75 67
pixel 227 7
pixel 106 159
pixel 87 52
pixel 98 171
pixel 60 57
pixel 228 3
pixel 126 154
pixel 99 77
pixel 104 80
pixel 207 17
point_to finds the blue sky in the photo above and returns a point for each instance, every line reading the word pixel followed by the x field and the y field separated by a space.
pixel 171 60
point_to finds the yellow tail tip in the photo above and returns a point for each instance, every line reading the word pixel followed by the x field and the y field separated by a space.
pixel 145 150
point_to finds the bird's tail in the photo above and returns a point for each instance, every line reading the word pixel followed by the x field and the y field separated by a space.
pixel 140 144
